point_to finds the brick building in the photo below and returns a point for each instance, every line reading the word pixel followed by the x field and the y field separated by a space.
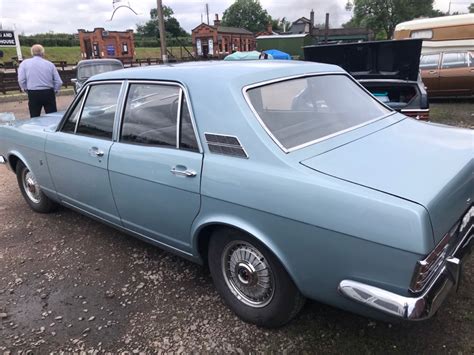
pixel 106 44
pixel 217 40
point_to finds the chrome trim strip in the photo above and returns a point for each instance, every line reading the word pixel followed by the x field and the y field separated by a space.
pixel 299 76
pixel 178 119
pixel 415 110
pixel 227 145
pixel 3 160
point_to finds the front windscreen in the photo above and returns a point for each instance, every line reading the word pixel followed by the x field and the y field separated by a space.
pixel 301 111
pixel 87 71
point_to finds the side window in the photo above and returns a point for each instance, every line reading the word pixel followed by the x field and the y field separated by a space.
pixel 429 61
pixel 187 138
pixel 97 119
pixel 151 115
pixel 454 60
pixel 70 125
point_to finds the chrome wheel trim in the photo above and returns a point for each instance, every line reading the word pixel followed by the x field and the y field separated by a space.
pixel 31 187
pixel 248 274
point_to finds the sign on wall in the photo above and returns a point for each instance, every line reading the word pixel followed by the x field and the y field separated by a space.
pixel 7 39
pixel 211 47
pixel 199 47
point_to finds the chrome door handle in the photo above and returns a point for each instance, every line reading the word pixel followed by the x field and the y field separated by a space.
pixel 95 152
pixel 433 71
pixel 186 173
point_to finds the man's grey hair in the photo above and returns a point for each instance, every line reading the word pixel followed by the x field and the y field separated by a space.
pixel 37 50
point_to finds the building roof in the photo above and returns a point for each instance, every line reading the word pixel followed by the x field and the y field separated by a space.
pixel 299 35
pixel 301 19
pixel 237 30
pixel 225 29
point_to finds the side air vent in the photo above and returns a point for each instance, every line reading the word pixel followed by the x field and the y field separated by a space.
pixel 227 145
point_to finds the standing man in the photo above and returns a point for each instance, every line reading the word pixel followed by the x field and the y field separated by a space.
pixel 40 79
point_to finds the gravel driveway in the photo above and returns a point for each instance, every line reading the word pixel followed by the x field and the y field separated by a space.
pixel 68 283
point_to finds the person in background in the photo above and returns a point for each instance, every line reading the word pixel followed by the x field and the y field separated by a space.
pixel 40 79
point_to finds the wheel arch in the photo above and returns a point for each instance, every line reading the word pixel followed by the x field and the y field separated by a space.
pixel 203 232
pixel 13 158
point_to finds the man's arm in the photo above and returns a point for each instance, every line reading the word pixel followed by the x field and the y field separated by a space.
pixel 57 82
pixel 22 77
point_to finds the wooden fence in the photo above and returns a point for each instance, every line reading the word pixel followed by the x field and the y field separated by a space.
pixel 9 71
pixel 9 76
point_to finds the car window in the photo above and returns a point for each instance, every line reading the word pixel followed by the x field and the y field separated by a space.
pixel 187 138
pixel 70 125
pixel 97 118
pixel 151 115
pixel 454 60
pixel 301 111
pixel 429 61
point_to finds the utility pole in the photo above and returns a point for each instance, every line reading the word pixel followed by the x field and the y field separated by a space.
pixel 161 24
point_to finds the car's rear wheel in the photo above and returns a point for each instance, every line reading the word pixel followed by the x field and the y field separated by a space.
pixel 251 280
pixel 31 190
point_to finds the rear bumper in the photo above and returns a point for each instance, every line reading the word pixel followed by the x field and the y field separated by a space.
pixel 418 307
pixel 419 114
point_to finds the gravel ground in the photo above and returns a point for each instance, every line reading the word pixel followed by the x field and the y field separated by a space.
pixel 68 283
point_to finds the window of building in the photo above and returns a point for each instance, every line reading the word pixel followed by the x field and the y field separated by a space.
pixel 124 48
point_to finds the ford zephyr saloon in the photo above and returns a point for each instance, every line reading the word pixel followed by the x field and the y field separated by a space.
pixel 288 179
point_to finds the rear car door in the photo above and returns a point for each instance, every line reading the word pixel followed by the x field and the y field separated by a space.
pixel 78 152
pixel 429 67
pixel 455 75
pixel 155 167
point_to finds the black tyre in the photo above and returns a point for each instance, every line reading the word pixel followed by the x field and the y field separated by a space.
pixel 251 280
pixel 31 191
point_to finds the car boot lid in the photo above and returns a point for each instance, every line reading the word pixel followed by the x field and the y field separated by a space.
pixel 427 164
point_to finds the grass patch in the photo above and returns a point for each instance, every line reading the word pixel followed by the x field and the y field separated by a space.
pixel 73 54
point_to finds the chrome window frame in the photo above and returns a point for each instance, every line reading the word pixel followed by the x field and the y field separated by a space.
pixel 286 150
pixel 182 93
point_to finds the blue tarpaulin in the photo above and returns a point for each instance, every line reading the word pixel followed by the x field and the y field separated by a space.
pixel 276 54
pixel 245 56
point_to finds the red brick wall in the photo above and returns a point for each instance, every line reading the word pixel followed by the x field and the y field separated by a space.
pixel 114 38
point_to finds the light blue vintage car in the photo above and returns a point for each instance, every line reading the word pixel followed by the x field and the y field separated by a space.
pixel 287 178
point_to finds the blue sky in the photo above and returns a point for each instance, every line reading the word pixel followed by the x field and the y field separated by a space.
pixel 39 16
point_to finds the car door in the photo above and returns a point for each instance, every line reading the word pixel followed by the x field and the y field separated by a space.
pixel 78 152
pixel 155 167
pixel 429 67
pixel 455 77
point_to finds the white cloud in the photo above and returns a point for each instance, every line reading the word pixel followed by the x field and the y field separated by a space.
pixel 33 16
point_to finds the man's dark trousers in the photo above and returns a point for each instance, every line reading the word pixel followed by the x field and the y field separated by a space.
pixel 37 99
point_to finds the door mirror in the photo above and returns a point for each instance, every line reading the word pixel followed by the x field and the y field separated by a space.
pixel 73 80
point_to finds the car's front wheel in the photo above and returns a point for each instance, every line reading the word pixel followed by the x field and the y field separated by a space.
pixel 251 280
pixel 31 190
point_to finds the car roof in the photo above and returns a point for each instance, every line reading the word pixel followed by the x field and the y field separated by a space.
pixel 215 72
pixel 86 62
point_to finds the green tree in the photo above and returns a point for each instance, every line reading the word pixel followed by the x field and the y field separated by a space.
pixel 382 16
pixel 151 28
pixel 247 14
pixel 471 8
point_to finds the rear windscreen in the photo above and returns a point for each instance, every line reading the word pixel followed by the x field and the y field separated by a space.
pixel 303 110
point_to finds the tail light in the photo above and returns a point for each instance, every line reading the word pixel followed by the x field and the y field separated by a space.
pixel 425 269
